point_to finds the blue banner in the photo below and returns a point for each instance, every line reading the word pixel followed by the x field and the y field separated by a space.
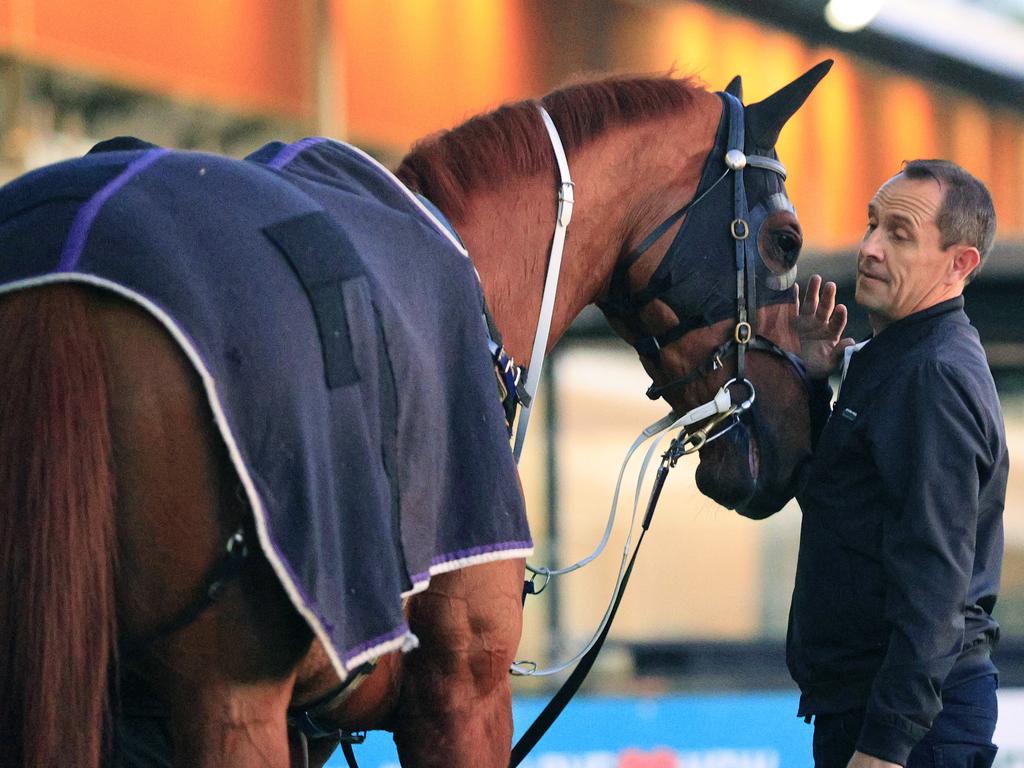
pixel 710 731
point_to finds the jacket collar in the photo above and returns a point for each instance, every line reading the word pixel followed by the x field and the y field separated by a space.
pixel 901 336
pixel 899 328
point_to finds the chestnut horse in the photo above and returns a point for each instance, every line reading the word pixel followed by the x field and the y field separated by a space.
pixel 117 489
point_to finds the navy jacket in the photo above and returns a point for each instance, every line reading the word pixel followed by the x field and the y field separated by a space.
pixel 902 538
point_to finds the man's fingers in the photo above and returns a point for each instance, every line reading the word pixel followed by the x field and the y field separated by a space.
pixel 810 302
pixel 826 303
pixel 837 323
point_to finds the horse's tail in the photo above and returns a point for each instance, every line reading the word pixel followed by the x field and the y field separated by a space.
pixel 57 533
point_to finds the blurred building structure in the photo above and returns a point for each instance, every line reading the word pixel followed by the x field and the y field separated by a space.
pixel 225 74
pixel 228 75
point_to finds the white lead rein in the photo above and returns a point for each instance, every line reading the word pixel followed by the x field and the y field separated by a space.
pixel 547 302
pixel 657 429
pixel 722 403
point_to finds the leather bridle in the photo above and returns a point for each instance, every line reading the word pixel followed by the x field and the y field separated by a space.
pixel 627 307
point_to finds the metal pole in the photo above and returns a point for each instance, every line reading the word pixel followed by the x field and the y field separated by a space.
pixel 328 75
pixel 12 87
pixel 550 399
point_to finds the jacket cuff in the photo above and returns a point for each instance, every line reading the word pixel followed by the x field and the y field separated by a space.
pixel 889 738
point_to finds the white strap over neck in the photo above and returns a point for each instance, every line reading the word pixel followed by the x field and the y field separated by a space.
pixel 547 302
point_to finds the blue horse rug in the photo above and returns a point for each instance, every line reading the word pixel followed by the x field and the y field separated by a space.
pixel 336 327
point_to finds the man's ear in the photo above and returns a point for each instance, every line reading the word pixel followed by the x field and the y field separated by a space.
pixel 965 259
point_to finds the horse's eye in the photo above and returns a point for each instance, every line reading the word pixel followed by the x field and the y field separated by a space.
pixel 783 249
pixel 786 242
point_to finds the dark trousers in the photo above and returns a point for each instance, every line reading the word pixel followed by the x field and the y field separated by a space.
pixel 960 737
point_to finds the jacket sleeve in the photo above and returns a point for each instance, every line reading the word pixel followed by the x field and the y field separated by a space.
pixel 928 442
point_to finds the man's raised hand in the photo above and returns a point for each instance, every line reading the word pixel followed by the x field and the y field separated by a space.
pixel 820 323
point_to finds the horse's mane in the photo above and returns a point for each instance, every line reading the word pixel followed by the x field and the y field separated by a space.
pixel 512 142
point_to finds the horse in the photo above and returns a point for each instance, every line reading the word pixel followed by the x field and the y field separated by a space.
pixel 150 612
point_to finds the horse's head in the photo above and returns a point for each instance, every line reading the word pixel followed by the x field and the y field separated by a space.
pixel 717 309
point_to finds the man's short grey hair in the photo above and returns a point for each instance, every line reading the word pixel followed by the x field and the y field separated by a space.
pixel 966 214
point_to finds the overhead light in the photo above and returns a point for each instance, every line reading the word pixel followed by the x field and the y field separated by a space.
pixel 852 15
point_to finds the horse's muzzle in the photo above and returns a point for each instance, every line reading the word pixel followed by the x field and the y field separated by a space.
pixel 740 471
pixel 727 472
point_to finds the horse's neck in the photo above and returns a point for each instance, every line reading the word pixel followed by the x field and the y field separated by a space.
pixel 626 182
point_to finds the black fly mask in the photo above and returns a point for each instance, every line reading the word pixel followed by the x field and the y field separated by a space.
pixel 715 268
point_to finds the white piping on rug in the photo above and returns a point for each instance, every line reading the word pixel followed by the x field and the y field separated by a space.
pixel 464 562
pixel 408 193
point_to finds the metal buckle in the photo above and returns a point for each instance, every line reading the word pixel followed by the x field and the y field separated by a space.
pixel 502 388
pixel 566 199
pixel 743 333
pixel 237 541
pixel 691 442
pixel 546 574
pixel 741 234
pixel 523 668
pixel 743 405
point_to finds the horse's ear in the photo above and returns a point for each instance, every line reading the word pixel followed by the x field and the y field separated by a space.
pixel 735 87
pixel 766 118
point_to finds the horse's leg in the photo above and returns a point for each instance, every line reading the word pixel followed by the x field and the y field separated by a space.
pixel 226 678
pixel 455 707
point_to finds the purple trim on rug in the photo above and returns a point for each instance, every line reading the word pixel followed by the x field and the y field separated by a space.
pixel 481 550
pixel 504 546
pixel 351 653
pixel 87 214
pixel 289 153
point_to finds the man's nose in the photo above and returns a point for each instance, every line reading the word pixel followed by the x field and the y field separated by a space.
pixel 871 247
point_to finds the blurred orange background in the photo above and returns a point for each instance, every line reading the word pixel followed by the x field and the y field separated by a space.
pixel 390 72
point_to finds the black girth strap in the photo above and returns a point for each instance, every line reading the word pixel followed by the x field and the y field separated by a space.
pixel 224 571
pixel 306 717
pixel 306 721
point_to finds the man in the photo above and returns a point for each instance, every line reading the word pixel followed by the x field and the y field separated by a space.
pixel 901 542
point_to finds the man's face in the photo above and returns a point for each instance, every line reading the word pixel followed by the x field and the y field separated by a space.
pixel 902 267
